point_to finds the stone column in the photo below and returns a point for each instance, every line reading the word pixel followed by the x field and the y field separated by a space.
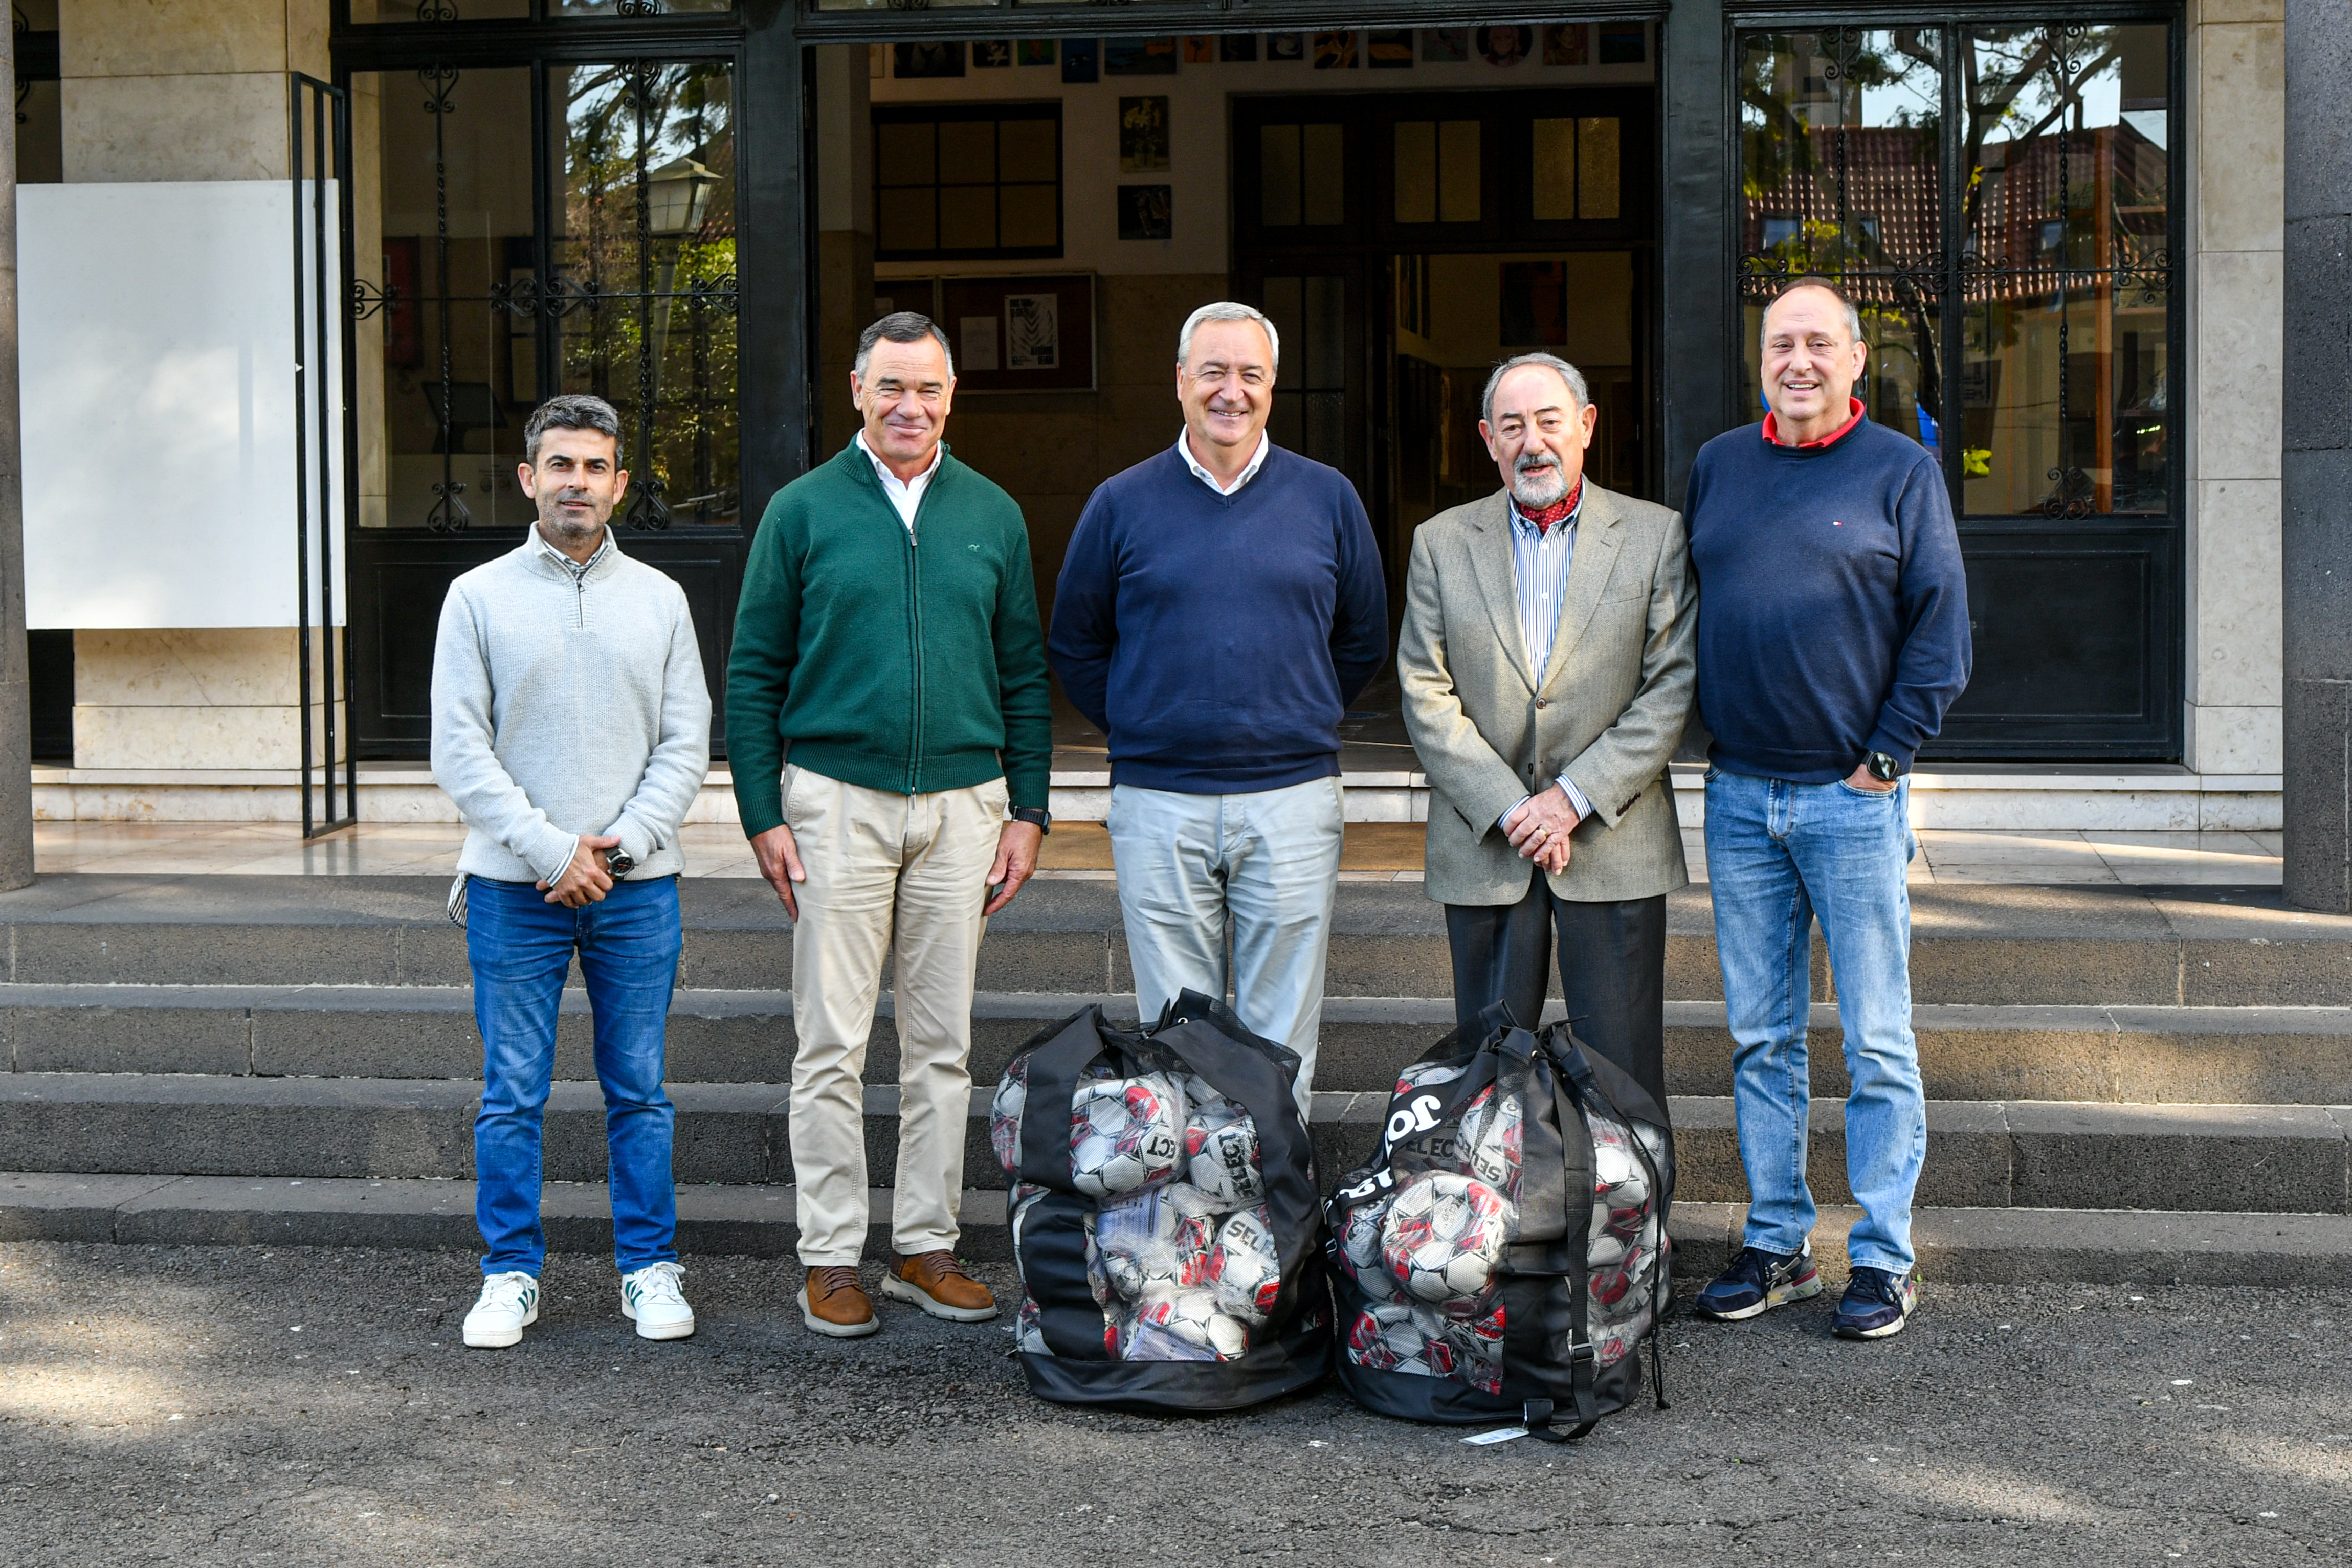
pixel 2316 598
pixel 15 692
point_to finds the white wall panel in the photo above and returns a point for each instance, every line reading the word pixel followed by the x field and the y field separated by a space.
pixel 159 404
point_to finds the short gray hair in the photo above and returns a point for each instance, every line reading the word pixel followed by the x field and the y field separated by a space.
pixel 1225 310
pixel 1552 363
pixel 900 327
pixel 571 410
pixel 1853 316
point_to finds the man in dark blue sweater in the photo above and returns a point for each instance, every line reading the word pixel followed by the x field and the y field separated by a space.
pixel 1832 636
pixel 1219 606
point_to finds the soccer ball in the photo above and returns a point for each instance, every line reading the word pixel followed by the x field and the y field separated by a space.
pixel 1027 1335
pixel 1386 1337
pixel 1192 1317
pixel 1614 1160
pixel 1443 1239
pixel 1221 1154
pixel 1360 1252
pixel 1149 1246
pixel 1004 1115
pixel 1246 1266
pixel 1125 1134
pixel 1492 1129
pixel 1428 1074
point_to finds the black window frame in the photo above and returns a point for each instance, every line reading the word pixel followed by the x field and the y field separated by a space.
pixel 967 111
pixel 2064 536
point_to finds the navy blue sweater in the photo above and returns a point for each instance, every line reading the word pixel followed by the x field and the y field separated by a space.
pixel 1217 640
pixel 1832 609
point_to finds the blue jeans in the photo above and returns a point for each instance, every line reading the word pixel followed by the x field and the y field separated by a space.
pixel 521 947
pixel 1780 855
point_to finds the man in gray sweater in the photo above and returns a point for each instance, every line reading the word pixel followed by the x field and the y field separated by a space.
pixel 572 726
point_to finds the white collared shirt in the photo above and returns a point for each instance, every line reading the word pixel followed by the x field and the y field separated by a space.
pixel 905 495
pixel 1185 450
pixel 578 569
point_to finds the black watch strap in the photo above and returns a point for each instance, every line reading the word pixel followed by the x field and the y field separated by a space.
pixel 1036 817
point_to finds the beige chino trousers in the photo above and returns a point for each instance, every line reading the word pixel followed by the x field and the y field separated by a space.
pixel 904 875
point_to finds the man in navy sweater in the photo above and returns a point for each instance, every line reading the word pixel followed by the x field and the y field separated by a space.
pixel 1832 636
pixel 1219 606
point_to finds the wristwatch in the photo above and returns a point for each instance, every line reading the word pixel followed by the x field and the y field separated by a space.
pixel 1881 767
pixel 620 863
pixel 1036 817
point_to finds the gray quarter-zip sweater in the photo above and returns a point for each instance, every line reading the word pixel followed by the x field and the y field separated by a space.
pixel 568 700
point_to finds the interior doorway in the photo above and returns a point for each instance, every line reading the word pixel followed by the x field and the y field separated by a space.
pixel 1404 243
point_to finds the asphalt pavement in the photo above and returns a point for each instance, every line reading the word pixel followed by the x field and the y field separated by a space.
pixel 199 1405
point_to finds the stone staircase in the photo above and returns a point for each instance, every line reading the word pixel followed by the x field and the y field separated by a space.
pixel 2125 1083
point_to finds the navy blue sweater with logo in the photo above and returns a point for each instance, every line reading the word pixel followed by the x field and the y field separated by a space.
pixel 1217 640
pixel 1832 609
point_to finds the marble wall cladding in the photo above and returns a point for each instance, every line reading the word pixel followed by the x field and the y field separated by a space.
pixel 175 127
pixel 171 38
pixel 2237 275
pixel 192 738
pixel 212 667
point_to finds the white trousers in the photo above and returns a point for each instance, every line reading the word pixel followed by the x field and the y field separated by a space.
pixel 1264 865
pixel 903 875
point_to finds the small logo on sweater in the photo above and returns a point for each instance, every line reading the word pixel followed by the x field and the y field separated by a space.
pixel 1837 522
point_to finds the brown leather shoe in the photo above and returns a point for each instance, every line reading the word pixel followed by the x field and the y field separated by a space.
pixel 936 1282
pixel 834 1304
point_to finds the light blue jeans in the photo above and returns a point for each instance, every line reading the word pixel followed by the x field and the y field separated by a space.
pixel 1267 864
pixel 521 946
pixel 1778 856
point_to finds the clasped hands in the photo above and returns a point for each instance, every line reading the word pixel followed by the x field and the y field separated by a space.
pixel 1540 829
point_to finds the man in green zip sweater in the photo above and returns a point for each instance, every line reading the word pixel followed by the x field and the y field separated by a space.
pixel 891 736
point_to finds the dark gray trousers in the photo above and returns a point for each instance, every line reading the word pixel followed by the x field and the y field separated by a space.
pixel 1612 970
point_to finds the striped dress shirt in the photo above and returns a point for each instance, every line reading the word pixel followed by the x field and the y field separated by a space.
pixel 1539 561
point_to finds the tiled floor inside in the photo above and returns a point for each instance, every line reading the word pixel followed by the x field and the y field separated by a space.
pixel 1376 851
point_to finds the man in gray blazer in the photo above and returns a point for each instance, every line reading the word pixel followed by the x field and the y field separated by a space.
pixel 1545 660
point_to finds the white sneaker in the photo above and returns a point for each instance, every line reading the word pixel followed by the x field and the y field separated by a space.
pixel 507 1305
pixel 651 1296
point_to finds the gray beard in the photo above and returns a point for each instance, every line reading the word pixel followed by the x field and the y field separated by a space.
pixel 1542 487
pixel 557 528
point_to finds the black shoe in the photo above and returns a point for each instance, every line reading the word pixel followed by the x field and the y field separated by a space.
pixel 1758 1281
pixel 1876 1305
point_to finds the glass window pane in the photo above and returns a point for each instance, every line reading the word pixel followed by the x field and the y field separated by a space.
pixel 1417 172
pixel 967 217
pixel 447 369
pixel 903 153
pixel 1030 215
pixel 1278 194
pixel 1324 327
pixel 1596 169
pixel 1555 170
pixel 967 152
pixel 2065 373
pixel 364 12
pixel 1323 168
pixel 908 220
pixel 1029 150
pixel 563 10
pixel 1458 175
pixel 644 291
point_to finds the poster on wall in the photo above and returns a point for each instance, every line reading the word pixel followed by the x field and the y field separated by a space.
pixel 1138 57
pixel 1565 44
pixel 1624 43
pixel 1237 48
pixel 1077 59
pixel 1142 135
pixel 922 60
pixel 1146 211
pixel 991 56
pixel 1036 51
pixel 1335 51
pixel 1445 46
pixel 1022 334
pixel 1504 46
pixel 1389 49
pixel 1285 46
pixel 1200 48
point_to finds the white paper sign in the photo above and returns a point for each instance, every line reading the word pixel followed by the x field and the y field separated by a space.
pixel 979 343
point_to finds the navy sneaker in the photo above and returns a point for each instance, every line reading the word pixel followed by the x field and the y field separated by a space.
pixel 1758 1281
pixel 1876 1305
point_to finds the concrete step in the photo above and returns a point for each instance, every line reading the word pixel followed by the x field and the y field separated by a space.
pixel 1956 1245
pixel 1981 1153
pixel 2191 1055
pixel 1987 946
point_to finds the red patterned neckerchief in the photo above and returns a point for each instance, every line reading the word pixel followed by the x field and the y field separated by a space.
pixel 1560 511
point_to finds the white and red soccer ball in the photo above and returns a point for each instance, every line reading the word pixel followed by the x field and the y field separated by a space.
pixel 1125 1134
pixel 1360 1252
pixel 1246 1266
pixel 1193 1318
pixel 1492 1129
pixel 1005 1112
pixel 1221 1154
pixel 1443 1240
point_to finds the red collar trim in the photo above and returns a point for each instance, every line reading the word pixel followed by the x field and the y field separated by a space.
pixel 1854 418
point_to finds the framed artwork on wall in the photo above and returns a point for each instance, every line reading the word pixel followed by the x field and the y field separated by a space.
pixel 1033 333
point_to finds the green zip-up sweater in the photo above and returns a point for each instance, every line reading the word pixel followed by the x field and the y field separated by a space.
pixel 904 662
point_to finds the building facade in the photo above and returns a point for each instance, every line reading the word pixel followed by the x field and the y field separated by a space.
pixel 2062 224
